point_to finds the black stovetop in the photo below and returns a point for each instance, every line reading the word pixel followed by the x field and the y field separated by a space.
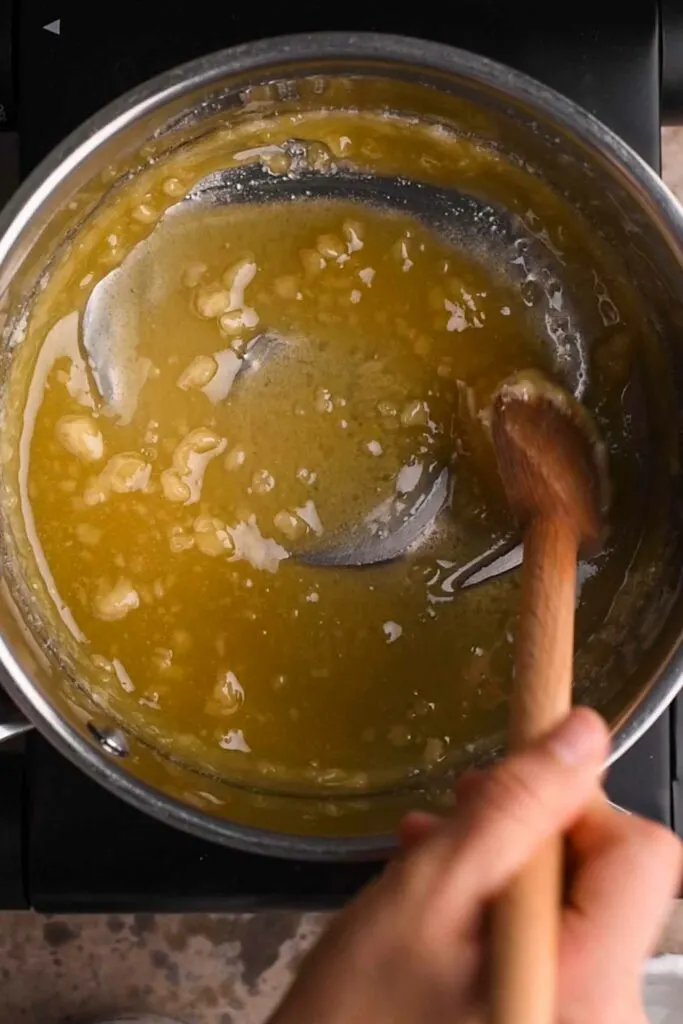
pixel 66 844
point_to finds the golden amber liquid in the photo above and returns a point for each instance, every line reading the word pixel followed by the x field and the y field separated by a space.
pixel 168 516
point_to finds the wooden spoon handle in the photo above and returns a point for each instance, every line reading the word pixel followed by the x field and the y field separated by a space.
pixel 527 916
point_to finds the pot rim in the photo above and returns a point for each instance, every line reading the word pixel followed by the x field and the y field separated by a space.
pixel 205 72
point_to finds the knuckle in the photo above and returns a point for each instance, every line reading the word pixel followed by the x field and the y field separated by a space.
pixel 430 934
pixel 512 792
pixel 414 892
pixel 431 883
pixel 415 877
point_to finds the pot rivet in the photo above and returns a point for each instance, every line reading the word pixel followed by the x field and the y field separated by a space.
pixel 112 740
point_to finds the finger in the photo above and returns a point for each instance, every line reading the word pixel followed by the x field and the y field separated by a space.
pixel 524 800
pixel 415 827
pixel 627 872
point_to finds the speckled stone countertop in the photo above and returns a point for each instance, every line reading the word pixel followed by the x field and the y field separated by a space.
pixel 196 968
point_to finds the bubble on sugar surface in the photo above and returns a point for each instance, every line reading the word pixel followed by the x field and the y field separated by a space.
pixel 409 477
pixel 288 522
pixel 309 514
pixel 392 631
pixel 306 476
pixel 235 458
pixel 228 365
pixel 198 373
pixel 184 481
pixel 262 481
pixel 234 740
pixel 251 546
pixel 122 676
pixel 609 313
pixel 125 473
pixel 114 603
pixel 81 437
pixel 228 695
pixel 212 300
pixel 265 153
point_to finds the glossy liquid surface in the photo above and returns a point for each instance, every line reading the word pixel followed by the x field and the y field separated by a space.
pixel 170 484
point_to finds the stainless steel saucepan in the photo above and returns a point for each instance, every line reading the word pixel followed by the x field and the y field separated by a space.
pixel 545 137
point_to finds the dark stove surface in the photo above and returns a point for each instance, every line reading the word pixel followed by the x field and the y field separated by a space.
pixel 609 65
pixel 65 844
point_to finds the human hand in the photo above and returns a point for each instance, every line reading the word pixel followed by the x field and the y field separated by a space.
pixel 412 947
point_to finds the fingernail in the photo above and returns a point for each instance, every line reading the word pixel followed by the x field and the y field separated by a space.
pixel 582 738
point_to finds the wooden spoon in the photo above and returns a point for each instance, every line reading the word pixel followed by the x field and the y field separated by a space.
pixel 553 467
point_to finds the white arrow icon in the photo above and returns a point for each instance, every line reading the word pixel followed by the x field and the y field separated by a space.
pixel 55 27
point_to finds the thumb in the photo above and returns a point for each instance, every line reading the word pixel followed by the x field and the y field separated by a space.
pixel 521 802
